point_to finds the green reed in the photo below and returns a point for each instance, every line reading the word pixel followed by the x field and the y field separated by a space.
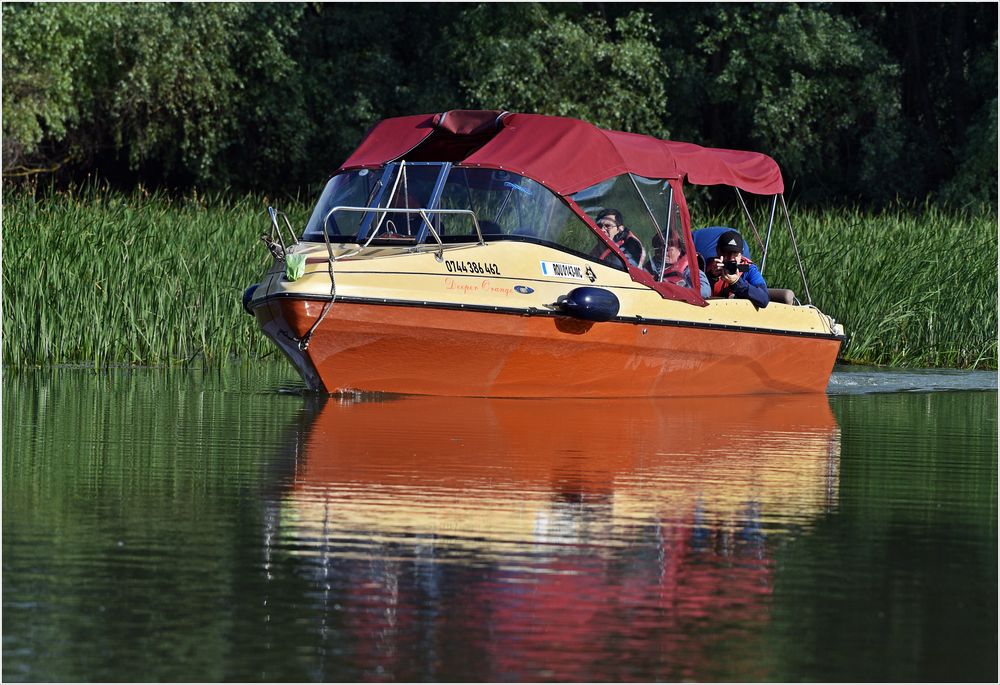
pixel 913 286
pixel 102 278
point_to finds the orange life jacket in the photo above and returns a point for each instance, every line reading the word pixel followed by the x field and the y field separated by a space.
pixel 675 272
pixel 625 236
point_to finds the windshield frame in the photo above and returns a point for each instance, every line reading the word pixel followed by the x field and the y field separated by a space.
pixel 570 230
pixel 378 213
pixel 430 207
pixel 317 227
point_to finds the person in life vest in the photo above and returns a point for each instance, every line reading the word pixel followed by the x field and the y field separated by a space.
pixel 677 270
pixel 611 223
pixel 734 276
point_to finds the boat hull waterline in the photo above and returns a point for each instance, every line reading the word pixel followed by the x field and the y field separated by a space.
pixel 396 348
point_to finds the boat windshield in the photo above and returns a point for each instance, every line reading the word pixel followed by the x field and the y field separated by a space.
pixel 511 207
pixel 354 188
pixel 507 206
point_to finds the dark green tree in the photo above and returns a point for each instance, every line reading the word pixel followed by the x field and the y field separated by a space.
pixel 804 84
pixel 868 102
pixel 47 58
pixel 947 55
pixel 540 58
pixel 156 90
pixel 359 63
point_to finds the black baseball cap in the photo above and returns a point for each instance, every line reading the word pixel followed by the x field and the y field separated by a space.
pixel 730 241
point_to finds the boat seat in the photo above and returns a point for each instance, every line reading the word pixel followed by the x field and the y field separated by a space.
pixel 781 295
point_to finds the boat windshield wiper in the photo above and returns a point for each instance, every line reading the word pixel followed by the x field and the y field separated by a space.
pixel 371 195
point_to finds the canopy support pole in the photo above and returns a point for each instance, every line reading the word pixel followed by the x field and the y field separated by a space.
pixel 656 224
pixel 798 258
pixel 670 219
pixel 767 240
pixel 649 210
pixel 753 226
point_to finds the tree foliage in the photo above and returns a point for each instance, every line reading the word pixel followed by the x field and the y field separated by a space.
pixel 534 58
pixel 805 85
pixel 158 88
pixel 867 102
pixel 42 90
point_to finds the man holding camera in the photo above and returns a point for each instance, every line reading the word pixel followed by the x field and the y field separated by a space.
pixel 734 276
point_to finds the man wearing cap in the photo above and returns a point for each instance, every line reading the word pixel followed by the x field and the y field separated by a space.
pixel 734 276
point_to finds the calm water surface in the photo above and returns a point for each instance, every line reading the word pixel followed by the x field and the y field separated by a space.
pixel 226 526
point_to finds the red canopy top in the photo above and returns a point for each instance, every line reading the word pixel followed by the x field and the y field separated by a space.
pixel 566 155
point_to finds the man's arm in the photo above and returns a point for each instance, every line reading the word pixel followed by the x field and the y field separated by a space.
pixel 753 287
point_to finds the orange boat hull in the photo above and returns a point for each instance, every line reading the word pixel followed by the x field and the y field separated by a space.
pixel 457 352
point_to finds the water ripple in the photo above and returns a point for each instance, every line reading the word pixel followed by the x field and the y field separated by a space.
pixel 859 380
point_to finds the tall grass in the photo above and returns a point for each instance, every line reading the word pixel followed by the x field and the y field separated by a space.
pixel 913 286
pixel 103 278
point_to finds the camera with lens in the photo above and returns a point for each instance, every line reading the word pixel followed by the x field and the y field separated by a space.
pixel 733 267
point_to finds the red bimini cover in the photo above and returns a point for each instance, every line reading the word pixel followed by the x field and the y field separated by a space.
pixel 566 155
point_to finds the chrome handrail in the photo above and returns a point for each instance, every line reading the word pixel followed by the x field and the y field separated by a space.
pixel 423 213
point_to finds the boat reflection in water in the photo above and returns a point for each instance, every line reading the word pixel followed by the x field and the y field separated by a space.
pixel 555 539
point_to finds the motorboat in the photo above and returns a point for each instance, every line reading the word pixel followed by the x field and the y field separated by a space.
pixel 458 254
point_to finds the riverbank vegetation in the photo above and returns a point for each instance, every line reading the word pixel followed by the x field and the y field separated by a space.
pixel 106 279
pixel 100 277
pixel 913 286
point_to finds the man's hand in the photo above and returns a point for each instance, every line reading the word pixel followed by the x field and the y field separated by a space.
pixel 730 278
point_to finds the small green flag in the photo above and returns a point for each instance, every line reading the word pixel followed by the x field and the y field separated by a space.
pixel 295 266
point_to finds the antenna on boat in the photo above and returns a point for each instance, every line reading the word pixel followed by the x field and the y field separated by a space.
pixel 275 241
